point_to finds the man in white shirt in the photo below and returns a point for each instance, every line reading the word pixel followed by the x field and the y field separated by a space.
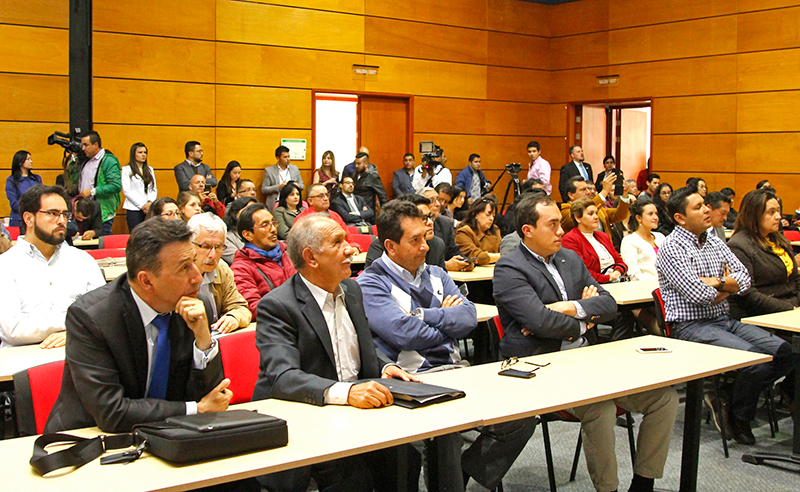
pixel 539 168
pixel 42 275
pixel 430 173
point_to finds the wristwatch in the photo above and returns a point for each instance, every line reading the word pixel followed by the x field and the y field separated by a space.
pixel 417 313
pixel 721 285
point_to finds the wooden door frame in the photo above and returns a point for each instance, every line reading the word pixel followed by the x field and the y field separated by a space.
pixel 408 98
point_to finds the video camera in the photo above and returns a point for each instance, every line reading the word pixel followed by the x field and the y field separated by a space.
pixel 430 151
pixel 514 168
pixel 66 140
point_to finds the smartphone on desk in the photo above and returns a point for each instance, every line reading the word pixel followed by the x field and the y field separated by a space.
pixel 653 350
pixel 516 373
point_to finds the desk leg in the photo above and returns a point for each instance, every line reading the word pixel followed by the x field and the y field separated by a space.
pixel 691 435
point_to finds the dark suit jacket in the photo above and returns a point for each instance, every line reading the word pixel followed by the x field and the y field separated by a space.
pixel 401 182
pixel 569 170
pixel 368 185
pixel 184 172
pixel 523 286
pixel 105 374
pixel 435 255
pixel 598 183
pixel 339 205
pixel 443 229
pixel 296 353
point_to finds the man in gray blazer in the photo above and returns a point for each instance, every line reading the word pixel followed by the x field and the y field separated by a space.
pixel 276 177
pixel 547 302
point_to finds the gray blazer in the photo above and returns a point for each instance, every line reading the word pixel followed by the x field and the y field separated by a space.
pixel 270 184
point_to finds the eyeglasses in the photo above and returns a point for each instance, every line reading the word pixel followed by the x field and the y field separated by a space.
pixel 321 195
pixel 208 247
pixel 174 213
pixel 274 224
pixel 514 360
pixel 428 217
pixel 55 214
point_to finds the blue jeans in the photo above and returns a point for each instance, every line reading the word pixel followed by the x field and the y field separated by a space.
pixel 750 381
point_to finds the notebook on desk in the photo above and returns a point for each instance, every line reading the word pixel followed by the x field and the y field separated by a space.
pixel 408 394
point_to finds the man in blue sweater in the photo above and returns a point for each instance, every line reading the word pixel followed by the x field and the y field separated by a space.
pixel 416 314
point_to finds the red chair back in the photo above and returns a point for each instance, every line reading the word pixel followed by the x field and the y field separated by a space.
pixel 374 230
pixel 352 230
pixel 658 301
pixel 363 240
pixel 13 232
pixel 792 235
pixel 99 254
pixel 240 360
pixel 499 326
pixel 113 241
pixel 36 391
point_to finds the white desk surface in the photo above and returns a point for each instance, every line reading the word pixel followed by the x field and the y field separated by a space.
pixel 359 259
pixel 319 434
pixel 485 312
pixel 785 320
pixel 634 292
pixel 15 359
pixel 113 272
pixel 80 243
pixel 481 272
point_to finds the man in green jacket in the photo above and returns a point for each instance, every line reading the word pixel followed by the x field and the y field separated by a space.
pixel 100 178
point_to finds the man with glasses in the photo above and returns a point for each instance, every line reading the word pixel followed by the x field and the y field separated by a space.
pixel 226 309
pixel 319 202
pixel 262 264
pixel 42 275
pixel 193 165
pixel 351 207
pixel 443 229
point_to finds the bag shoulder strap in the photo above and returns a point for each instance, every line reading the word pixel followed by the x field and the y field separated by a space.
pixel 269 282
pixel 83 451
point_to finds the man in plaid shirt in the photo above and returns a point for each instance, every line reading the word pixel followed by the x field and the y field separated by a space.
pixel 697 272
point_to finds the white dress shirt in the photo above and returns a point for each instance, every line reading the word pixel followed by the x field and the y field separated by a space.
pixel 35 292
pixel 133 188
pixel 89 171
pixel 640 256
pixel 201 357
pixel 440 175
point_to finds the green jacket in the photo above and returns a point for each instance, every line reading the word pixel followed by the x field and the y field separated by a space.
pixel 107 186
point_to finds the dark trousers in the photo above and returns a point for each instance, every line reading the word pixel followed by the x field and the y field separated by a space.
pixel 107 227
pixel 134 218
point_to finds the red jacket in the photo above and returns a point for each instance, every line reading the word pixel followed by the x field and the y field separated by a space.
pixel 218 207
pixel 250 283
pixel 575 241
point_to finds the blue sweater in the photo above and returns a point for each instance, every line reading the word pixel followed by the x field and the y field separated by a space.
pixel 415 344
pixel 14 193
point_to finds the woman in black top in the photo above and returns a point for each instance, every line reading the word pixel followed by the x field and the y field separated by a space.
pixel 665 223
pixel 226 189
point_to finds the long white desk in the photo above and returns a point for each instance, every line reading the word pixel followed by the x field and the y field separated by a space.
pixel 480 272
pixel 634 292
pixel 318 434
pixel 15 359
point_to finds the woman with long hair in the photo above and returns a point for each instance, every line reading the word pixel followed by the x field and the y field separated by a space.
pixel 21 179
pixel 138 185
pixel 226 189
pixel 479 237
pixel 639 249
pixel 326 174
pixel 190 204
pixel 458 197
pixel 665 223
pixel 166 208
pixel 289 207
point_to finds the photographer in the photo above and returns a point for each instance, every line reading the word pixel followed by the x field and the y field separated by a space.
pixel 99 178
pixel 431 172
pixel 472 179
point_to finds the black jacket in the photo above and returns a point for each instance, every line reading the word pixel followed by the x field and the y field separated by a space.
pixel 339 205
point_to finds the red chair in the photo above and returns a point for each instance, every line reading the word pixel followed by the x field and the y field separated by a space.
pixel 352 230
pixel 374 230
pixel 658 301
pixel 363 240
pixel 36 391
pixel 113 241
pixel 99 254
pixel 240 361
pixel 13 232
pixel 790 235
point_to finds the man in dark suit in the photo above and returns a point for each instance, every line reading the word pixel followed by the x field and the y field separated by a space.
pixel 120 369
pixel 548 301
pixel 301 361
pixel 351 207
pixel 576 167
pixel 368 184
pixel 401 179
pixel 193 165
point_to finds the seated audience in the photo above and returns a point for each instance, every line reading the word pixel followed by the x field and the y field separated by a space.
pixel 294 325
pixel 88 219
pixel 444 191
pixel 5 239
pixel 208 199
pixel 226 309
pixel 576 187
pixel 456 208
pixel 698 185
pixel 653 182
pixel 633 188
pixel 548 302
pixel 319 203
pixel 665 222
pixel 511 240
pixel 592 246
pixel 417 314
pixel 479 237
pixel 166 208
pixel 228 186
pixel 696 273
pixel 189 204
pixel 262 264
pixel 730 221
pixel 140 349
pixel 720 205
pixel 472 179
pixel 42 276
pixel 639 249
pixel 351 207
pixel 233 242
pixel 245 187
pixel 289 207
pixel 326 175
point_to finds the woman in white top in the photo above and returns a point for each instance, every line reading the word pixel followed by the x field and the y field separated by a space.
pixel 138 185
pixel 639 249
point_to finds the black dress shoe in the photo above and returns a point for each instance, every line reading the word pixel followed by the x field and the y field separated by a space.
pixel 742 432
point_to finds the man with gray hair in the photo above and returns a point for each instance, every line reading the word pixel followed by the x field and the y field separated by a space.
pixel 315 344
pixel 225 307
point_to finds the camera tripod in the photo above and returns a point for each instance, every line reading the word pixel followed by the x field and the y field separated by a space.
pixel 514 182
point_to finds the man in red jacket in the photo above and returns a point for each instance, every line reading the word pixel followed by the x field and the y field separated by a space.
pixel 263 263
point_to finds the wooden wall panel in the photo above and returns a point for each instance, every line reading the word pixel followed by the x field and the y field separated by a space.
pixel 579 85
pixel 447 115
pixel 578 17
pixel 694 153
pixel 766 152
pixel 35 50
pixel 287 67
pixel 351 6
pixel 769 70
pixel 582 50
pixel 687 115
pixel 768 112
pixel 147 102
pixel 704 37
pixel 426 78
pixel 517 84
pixel 518 17
pixel 152 58
pixel 240 106
pixel 514 118
pixel 34 98
pixel 466 13
pixel 714 181
pixel 752 5
pixel 427 41
pixel 287 26
pixel 769 30
pixel 32 137
pixel 689 76
pixel 784 184
pixel 626 13
pixel 50 13
pixel 558 119
pixel 169 18
pixel 515 50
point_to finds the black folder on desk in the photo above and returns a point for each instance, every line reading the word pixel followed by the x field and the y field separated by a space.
pixel 409 394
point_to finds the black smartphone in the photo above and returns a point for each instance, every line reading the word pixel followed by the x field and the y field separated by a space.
pixel 207 188
pixel 619 184
pixel 515 373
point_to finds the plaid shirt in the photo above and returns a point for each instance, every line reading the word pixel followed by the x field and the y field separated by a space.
pixel 681 261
